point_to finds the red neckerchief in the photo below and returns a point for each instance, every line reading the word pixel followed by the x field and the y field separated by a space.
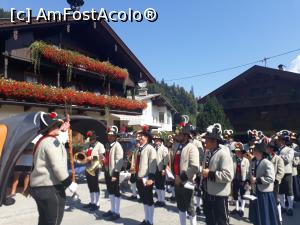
pixel 176 166
pixel 138 158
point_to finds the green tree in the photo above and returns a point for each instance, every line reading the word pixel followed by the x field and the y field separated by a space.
pixel 4 14
pixel 211 112
pixel 184 101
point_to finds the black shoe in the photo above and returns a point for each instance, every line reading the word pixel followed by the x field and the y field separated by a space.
pixel 198 211
pixel 115 216
pixel 172 199
pixel 290 212
pixel 132 197
pixel 144 223
pixel 283 210
pixel 9 201
pixel 87 206
pixel 108 214
pixel 162 204
pixel 148 223
pixel 234 212
pixel 157 204
pixel 94 208
pixel 241 213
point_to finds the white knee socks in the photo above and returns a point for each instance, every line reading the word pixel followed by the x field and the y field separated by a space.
pixel 133 189
pixel 198 199
pixel 97 199
pixel 193 220
pixel 158 192
pixel 182 217
pixel 291 202
pixel 237 205
pixel 112 203
pixel 92 196
pixel 243 202
pixel 282 201
pixel 279 212
pixel 150 214
pixel 146 213
pixel 163 195
pixel 173 191
pixel 117 205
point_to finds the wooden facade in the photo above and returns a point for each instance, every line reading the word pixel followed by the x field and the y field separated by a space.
pixel 93 39
pixel 261 98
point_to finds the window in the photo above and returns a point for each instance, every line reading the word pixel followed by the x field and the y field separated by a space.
pixel 169 118
pixel 161 116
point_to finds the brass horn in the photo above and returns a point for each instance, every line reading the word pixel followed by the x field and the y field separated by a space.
pixel 80 157
pixel 96 164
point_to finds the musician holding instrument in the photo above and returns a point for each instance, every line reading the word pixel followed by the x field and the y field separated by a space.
pixel 133 177
pixel 113 163
pixel 50 176
pixel 93 154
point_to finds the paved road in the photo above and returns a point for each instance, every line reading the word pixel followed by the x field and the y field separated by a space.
pixel 24 212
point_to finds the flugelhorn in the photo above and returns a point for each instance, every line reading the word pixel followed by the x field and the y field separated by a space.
pixel 80 157
pixel 96 164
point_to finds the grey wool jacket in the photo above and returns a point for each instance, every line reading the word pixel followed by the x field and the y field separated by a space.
pixel 50 164
pixel 162 159
pixel 115 158
pixel 189 162
pixel 220 172
pixel 278 168
pixel 265 175
pixel 147 165
pixel 287 154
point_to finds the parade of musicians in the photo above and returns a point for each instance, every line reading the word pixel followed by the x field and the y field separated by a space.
pixel 89 136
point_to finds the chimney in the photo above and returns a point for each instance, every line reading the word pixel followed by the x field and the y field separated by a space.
pixel 281 67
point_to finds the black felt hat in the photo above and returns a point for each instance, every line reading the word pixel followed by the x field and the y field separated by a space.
pixel 214 132
pixel 261 147
pixel 50 120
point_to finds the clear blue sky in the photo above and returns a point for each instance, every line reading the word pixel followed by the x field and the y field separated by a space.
pixel 196 36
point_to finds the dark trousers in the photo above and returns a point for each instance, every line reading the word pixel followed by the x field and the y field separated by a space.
pixel 198 186
pixel 185 200
pixel 238 187
pixel 92 181
pixel 160 180
pixel 286 185
pixel 113 187
pixel 145 192
pixel 50 203
pixel 215 209
pixel 296 188
pixel 276 193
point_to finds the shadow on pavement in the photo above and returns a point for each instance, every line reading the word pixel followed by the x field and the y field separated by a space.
pixel 123 221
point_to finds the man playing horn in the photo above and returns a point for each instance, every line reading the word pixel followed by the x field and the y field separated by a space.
pixel 94 152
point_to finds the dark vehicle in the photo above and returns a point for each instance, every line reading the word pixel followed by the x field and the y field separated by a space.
pixel 128 145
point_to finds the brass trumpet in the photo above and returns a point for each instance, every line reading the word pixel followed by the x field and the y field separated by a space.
pixel 82 158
